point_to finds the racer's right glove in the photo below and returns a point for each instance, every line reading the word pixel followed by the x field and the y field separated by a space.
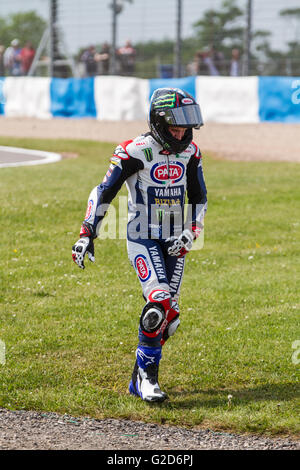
pixel 84 245
pixel 180 246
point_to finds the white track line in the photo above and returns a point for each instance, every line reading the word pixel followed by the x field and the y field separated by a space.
pixel 46 157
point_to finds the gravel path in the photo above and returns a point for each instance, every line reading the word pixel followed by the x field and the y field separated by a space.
pixel 28 430
pixel 261 142
pixel 32 430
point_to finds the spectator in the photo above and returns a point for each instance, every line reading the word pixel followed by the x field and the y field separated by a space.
pixel 196 66
pixel 103 59
pixel 208 61
pixel 12 59
pixel 89 59
pixel 127 56
pixel 27 56
pixel 218 60
pixel 235 63
pixel 2 68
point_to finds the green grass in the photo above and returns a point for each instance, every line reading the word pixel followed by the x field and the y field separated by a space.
pixel 70 335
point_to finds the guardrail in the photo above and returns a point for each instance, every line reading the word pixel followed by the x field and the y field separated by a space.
pixel 114 98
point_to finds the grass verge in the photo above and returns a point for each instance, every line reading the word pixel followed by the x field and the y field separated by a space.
pixel 70 335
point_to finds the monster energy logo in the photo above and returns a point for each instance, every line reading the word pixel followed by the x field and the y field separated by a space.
pixel 160 215
pixel 165 101
pixel 148 154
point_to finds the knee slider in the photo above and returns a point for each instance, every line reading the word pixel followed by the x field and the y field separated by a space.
pixel 152 319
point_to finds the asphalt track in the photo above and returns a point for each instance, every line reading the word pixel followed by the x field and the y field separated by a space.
pixel 12 157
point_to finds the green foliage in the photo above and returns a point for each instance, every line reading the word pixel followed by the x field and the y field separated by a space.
pixel 151 54
pixel 224 29
pixel 290 60
pixel 290 12
pixel 70 335
pixel 218 26
pixel 26 26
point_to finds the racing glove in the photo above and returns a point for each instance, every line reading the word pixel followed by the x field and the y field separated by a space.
pixel 180 246
pixel 84 245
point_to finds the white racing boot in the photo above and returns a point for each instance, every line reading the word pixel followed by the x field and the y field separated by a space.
pixel 144 382
pixel 148 387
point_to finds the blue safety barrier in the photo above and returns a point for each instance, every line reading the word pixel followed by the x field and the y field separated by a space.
pixel 279 99
pixel 186 83
pixel 72 97
pixel 2 98
pixel 271 99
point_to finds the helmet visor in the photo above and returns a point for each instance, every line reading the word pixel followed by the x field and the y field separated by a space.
pixel 185 116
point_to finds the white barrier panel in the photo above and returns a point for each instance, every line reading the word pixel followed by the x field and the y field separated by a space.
pixel 121 98
pixel 228 99
pixel 27 97
pixel 115 98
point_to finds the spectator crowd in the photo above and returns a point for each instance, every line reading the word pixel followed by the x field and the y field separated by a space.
pixel 16 59
pixel 99 62
pixel 209 61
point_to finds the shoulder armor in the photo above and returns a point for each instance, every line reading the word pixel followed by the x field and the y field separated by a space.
pixel 126 155
pixel 135 148
pixel 121 150
pixel 196 151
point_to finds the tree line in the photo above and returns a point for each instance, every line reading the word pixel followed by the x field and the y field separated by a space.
pixel 222 29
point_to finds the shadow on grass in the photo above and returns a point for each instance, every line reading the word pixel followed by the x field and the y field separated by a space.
pixel 43 294
pixel 213 398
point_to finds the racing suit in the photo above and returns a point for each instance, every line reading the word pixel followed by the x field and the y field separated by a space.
pixel 157 183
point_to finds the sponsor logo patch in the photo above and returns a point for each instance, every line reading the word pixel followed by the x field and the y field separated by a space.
pixel 160 172
pixel 165 101
pixel 142 267
pixel 148 154
pixel 160 295
pixel 107 175
pixel 89 210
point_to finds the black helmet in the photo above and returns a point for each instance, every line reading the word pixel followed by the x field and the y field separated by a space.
pixel 173 107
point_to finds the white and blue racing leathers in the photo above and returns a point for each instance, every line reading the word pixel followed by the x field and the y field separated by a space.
pixel 158 183
pixel 160 186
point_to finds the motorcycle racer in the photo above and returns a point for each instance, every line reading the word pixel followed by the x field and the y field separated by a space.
pixel 161 169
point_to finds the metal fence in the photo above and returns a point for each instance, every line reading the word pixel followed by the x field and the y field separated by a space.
pixel 120 32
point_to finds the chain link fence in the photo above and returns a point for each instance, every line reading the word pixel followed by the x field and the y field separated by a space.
pixel 150 39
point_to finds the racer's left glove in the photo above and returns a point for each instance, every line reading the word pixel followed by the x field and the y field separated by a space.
pixel 83 246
